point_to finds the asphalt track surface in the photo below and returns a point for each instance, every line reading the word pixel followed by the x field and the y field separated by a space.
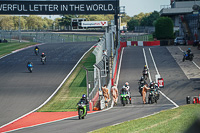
pixel 21 91
pixel 177 87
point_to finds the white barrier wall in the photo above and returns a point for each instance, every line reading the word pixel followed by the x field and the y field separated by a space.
pixel 128 43
pixel 140 43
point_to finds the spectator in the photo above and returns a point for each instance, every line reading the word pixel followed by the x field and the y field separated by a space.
pixel 106 95
pixel 114 93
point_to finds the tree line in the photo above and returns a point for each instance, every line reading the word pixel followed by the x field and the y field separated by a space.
pixel 34 22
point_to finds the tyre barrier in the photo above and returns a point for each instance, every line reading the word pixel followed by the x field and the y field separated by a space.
pixel 195 99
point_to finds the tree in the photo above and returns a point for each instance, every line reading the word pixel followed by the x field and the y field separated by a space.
pixel 66 20
pixel 150 19
pixel 7 23
pixel 16 22
pixel 131 24
pixel 125 19
pixel 164 28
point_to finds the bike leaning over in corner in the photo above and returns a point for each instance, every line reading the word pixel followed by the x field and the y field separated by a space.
pixel 81 110
pixel 30 66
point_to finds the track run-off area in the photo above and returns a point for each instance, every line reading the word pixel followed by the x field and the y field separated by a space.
pixel 32 92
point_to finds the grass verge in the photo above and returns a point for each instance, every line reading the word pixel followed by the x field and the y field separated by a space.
pixel 71 91
pixel 7 48
pixel 168 121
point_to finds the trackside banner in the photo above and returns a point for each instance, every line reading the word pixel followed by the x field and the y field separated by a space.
pixel 94 23
pixel 58 7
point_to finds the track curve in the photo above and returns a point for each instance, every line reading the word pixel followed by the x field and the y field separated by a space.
pixel 21 91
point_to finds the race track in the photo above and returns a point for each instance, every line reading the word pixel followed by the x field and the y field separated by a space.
pixel 21 91
pixel 177 87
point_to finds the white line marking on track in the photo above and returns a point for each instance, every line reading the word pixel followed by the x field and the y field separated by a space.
pixel 154 62
pixel 159 74
pixel 52 94
pixel 118 72
pixel 145 59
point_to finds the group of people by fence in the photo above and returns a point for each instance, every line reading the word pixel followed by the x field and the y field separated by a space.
pixel 114 94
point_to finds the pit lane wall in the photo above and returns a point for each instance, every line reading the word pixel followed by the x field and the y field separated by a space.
pixel 140 43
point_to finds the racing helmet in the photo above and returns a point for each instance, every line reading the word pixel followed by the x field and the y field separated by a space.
pixel 152 83
pixel 189 48
pixel 83 96
pixel 145 66
pixel 42 53
pixel 156 85
pixel 126 83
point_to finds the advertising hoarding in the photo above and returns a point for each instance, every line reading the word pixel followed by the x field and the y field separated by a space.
pixel 94 23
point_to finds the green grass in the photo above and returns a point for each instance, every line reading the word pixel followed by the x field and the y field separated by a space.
pixel 70 93
pixel 6 48
pixel 168 121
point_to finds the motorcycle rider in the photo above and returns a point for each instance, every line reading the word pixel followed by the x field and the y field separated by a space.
pixel 152 85
pixel 142 82
pixel 43 56
pixel 127 86
pixel 145 68
pixel 145 72
pixel 124 89
pixel 189 51
pixel 128 90
pixel 29 64
pixel 36 48
pixel 85 101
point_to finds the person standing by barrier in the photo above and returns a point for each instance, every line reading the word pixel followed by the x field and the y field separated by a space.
pixel 106 95
pixel 114 92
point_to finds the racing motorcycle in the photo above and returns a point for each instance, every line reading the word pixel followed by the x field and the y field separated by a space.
pixel 124 98
pixel 81 110
pixel 145 74
pixel 188 57
pixel 43 60
pixel 36 51
pixel 30 67
pixel 153 96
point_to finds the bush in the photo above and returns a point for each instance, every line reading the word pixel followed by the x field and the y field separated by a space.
pixel 164 28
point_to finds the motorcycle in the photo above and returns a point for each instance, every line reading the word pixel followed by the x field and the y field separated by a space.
pixel 43 60
pixel 124 98
pixel 81 110
pixel 145 74
pixel 30 68
pixel 36 51
pixel 153 96
pixel 188 57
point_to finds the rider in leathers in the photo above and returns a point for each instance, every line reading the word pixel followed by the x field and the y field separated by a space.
pixel 84 100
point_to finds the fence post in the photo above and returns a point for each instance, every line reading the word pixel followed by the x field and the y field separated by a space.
pixel 87 85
